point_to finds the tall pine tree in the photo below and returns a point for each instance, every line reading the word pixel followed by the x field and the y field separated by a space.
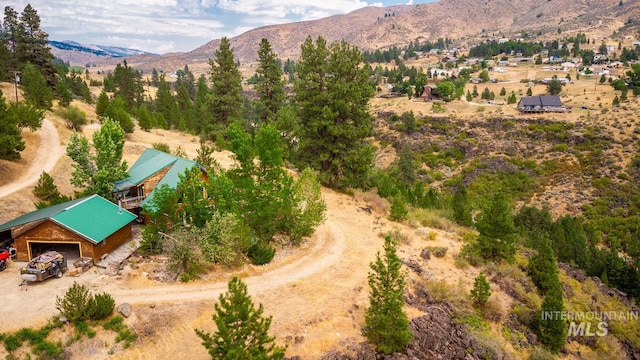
pixel 332 91
pixel 551 327
pixel 270 86
pixel 227 103
pixel 242 330
pixel 497 230
pixel 386 325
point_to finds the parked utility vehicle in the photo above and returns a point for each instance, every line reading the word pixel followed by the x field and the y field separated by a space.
pixel 4 255
pixel 44 266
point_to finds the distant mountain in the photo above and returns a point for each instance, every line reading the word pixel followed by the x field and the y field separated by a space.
pixel 81 54
pixel 465 22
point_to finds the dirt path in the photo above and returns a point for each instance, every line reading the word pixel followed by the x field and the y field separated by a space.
pixel 327 249
pixel 49 151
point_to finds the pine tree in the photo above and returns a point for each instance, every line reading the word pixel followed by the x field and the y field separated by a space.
pixel 11 142
pixel 386 325
pixel 552 328
pixel 145 119
pixel 226 86
pixel 481 290
pixel 270 86
pixel 497 230
pixel 542 267
pixel 332 92
pixel 461 207
pixel 35 88
pixel 166 103
pixel 45 188
pixel 32 46
pixel 398 211
pixel 529 92
pixel 102 104
pixel 242 330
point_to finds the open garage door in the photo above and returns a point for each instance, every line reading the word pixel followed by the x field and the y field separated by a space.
pixel 70 250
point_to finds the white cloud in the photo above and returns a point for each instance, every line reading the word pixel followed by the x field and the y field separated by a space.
pixel 172 25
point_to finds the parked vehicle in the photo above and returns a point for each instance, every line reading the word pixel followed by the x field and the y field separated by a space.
pixel 44 266
pixel 4 255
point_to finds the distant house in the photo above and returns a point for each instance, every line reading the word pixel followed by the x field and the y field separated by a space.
pixel 153 169
pixel 541 104
pixel 426 94
pixel 88 227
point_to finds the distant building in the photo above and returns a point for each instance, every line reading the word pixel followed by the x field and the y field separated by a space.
pixel 541 104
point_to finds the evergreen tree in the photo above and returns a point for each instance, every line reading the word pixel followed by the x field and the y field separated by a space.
pixel 497 230
pixel 242 330
pixel 554 87
pixel 203 116
pixel 270 86
pixel 102 104
pixel 32 46
pixel 332 92
pixel 552 328
pixel 512 98
pixel 461 207
pixel 128 83
pixel 398 211
pixel 481 290
pixel 529 92
pixel 34 87
pixel 11 142
pixel 166 103
pixel 45 188
pixel 145 118
pixel 98 173
pixel 226 88
pixel 386 325
pixel 185 109
pixel 542 267
pixel 503 92
pixel 117 112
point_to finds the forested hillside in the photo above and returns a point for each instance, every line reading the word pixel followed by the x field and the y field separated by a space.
pixel 541 212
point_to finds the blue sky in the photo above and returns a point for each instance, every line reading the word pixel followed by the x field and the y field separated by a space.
pixel 162 26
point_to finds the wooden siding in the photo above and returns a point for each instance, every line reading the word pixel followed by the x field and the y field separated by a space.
pixel 50 232
pixel 109 244
pixel 152 181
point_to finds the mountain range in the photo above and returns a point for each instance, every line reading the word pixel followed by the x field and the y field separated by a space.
pixel 465 22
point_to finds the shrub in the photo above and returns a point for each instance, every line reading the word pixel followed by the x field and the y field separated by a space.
pixel 261 253
pixel 162 147
pixel 437 251
pixel 73 116
pixel 101 306
pixel 75 305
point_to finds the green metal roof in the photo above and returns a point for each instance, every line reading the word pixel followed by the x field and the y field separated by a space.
pixel 38 215
pixel 172 177
pixel 149 163
pixel 94 217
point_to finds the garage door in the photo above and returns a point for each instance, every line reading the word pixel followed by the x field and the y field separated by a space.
pixel 70 250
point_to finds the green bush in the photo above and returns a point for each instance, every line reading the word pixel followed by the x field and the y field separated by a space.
pixel 101 306
pixel 261 253
pixel 75 305
pixel 73 116
pixel 437 251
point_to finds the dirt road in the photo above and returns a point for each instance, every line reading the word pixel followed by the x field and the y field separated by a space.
pixel 49 152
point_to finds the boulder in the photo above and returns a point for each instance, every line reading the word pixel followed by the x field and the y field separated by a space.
pixel 125 309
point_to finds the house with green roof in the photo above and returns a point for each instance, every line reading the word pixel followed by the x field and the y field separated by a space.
pixel 153 169
pixel 88 227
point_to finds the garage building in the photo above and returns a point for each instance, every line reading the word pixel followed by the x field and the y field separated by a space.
pixel 88 227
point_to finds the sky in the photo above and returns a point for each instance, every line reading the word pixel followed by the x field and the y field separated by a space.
pixel 162 26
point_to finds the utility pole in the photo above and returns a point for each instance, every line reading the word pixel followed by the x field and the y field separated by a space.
pixel 16 80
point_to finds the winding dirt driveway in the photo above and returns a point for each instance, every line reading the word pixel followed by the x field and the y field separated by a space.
pixel 49 152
